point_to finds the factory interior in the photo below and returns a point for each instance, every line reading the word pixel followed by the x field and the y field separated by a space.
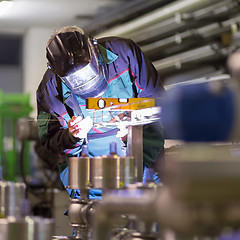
pixel 193 44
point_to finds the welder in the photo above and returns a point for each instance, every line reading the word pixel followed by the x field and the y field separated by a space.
pixel 80 67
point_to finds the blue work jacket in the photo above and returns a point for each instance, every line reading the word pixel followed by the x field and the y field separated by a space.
pixel 130 74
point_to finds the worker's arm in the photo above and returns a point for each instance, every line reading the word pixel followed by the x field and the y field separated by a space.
pixel 54 137
pixel 146 77
pixel 52 126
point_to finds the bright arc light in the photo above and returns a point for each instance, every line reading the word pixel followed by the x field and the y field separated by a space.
pixel 5 6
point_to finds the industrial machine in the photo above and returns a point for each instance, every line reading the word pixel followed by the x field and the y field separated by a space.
pixel 198 196
pixel 110 173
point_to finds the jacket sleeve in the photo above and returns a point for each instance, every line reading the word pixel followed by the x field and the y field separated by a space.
pixel 53 135
pixel 146 77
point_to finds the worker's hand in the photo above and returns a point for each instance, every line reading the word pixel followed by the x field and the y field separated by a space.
pixel 80 127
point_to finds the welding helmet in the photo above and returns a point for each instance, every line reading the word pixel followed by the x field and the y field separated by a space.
pixel 76 59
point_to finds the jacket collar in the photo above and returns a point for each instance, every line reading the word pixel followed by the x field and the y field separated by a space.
pixel 66 91
pixel 108 56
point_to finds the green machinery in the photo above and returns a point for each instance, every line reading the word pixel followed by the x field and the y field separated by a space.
pixel 13 106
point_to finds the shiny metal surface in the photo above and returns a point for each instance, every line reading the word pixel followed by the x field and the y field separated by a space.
pixel 201 194
pixel 3 228
pixel 137 200
pixel 112 172
pixel 104 172
pixel 40 228
pixel 60 238
pixel 81 212
pixel 75 212
pixel 127 171
pixel 12 197
pixel 29 228
pixel 79 172
pixel 201 172
pixel 135 148
pixel 96 172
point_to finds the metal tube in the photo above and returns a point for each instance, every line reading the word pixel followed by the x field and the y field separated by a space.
pixel 185 20
pixel 140 205
pixel 79 172
pixel 156 16
pixel 135 148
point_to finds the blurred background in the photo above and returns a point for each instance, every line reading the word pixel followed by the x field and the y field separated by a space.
pixel 184 39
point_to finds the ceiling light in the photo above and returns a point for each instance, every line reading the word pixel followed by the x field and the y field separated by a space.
pixel 5 6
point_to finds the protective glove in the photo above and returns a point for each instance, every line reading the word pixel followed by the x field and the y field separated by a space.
pixel 79 127
pixel 123 131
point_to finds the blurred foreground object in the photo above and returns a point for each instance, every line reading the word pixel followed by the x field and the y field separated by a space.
pixel 199 198
pixel 15 221
pixel 203 111
pixel 201 195
pixel 13 106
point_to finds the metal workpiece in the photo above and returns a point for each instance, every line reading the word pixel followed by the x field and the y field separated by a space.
pixel 40 228
pixel 135 148
pixel 81 214
pixel 127 171
pixel 201 194
pixel 96 172
pixel 203 172
pixel 28 228
pixel 199 197
pixel 15 223
pixel 137 200
pixel 105 172
pixel 112 172
pixel 79 172
pixel 12 197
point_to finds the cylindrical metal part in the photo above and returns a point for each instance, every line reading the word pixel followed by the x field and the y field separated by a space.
pixel 112 172
pixel 75 212
pixel 39 228
pixel 79 172
pixel 81 213
pixel 28 228
pixel 16 229
pixel 135 148
pixel 127 171
pixel 61 238
pixel 12 196
pixel 3 228
pixel 105 172
pixel 96 172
